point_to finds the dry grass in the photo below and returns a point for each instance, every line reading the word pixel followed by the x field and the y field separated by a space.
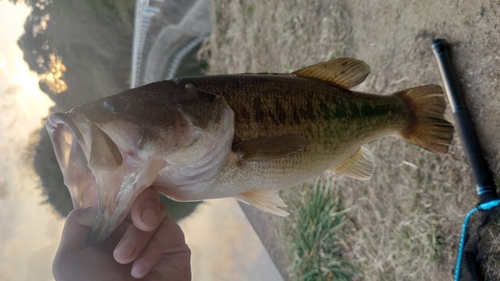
pixel 275 36
pixel 408 216
pixel 489 246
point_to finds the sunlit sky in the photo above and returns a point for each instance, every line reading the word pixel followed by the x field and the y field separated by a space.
pixel 223 243
pixel 30 231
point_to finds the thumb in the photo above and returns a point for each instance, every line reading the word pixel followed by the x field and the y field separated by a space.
pixel 77 226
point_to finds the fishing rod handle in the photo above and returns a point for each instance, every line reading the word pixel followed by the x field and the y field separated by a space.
pixel 482 174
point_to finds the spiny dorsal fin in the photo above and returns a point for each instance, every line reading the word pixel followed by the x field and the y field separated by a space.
pixel 266 200
pixel 202 95
pixel 343 72
pixel 104 154
pixel 267 148
pixel 359 166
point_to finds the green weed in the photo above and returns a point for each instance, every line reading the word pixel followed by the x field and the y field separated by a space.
pixel 317 227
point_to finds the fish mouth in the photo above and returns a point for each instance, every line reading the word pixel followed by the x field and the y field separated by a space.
pixel 94 170
pixel 71 148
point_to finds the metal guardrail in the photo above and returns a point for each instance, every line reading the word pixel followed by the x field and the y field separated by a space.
pixel 176 60
pixel 143 15
pixel 162 54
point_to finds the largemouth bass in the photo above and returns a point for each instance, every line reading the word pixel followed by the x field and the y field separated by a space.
pixel 245 136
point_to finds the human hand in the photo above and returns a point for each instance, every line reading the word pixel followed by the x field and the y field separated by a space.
pixel 146 245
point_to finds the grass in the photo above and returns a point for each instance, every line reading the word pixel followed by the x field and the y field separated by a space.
pixel 410 238
pixel 489 244
pixel 317 227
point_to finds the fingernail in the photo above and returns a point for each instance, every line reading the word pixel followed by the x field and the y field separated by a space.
pixel 149 216
pixel 125 250
pixel 139 268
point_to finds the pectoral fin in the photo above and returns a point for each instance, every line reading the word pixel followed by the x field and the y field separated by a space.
pixel 104 154
pixel 343 72
pixel 266 200
pixel 267 148
pixel 359 166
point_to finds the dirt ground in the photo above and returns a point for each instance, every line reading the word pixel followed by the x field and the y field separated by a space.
pixel 409 214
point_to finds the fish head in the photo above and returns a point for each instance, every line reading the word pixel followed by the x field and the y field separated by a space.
pixel 111 149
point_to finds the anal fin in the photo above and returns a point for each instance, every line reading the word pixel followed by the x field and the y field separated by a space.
pixel 359 166
pixel 266 200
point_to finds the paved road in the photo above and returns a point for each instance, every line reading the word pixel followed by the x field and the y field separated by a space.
pixel 268 227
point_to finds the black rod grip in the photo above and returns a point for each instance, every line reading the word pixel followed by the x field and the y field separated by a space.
pixel 482 174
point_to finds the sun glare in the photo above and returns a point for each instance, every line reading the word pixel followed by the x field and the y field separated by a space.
pixel 53 77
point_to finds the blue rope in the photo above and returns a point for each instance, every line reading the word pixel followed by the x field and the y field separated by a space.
pixel 484 206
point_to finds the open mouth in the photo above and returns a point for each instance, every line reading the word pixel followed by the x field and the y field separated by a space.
pixel 72 153
pixel 94 170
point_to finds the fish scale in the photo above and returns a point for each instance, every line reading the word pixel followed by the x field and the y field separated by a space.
pixel 323 109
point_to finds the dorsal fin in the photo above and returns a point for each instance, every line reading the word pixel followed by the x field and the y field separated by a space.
pixel 202 95
pixel 343 72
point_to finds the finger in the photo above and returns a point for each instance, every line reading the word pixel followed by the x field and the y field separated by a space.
pixel 77 226
pixel 134 240
pixel 131 244
pixel 145 211
pixel 168 238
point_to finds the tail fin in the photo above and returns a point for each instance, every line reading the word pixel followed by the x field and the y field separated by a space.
pixel 426 127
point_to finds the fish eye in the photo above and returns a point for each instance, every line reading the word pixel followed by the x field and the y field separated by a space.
pixel 116 104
